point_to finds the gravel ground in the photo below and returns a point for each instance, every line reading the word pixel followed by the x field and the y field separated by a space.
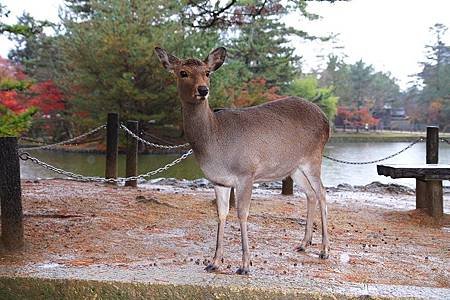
pixel 377 237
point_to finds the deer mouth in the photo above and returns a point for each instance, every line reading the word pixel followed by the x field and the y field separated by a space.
pixel 200 97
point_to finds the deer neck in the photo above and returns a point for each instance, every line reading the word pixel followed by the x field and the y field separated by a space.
pixel 199 124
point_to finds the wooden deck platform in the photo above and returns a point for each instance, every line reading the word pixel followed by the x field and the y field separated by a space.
pixel 429 192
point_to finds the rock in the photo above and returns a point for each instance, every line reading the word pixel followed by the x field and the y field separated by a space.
pixel 202 183
pixel 140 198
pixel 345 187
pixel 271 185
pixel 393 188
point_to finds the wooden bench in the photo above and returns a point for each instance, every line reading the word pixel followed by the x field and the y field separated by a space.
pixel 429 192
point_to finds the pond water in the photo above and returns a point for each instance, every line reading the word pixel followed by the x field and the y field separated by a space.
pixel 332 173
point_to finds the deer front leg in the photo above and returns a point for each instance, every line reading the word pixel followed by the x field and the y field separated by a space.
pixel 223 206
pixel 244 194
pixel 324 253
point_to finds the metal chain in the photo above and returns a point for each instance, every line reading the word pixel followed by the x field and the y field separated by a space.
pixel 66 141
pixel 378 160
pixel 445 140
pixel 159 170
pixel 26 156
pixel 30 140
pixel 128 131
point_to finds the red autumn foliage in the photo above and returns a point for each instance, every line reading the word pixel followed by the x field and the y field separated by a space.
pixel 363 117
pixel 434 111
pixel 47 97
pixel 355 117
pixel 343 113
pixel 10 100
pixel 43 95
pixel 255 92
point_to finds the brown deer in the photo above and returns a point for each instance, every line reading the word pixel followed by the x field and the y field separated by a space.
pixel 237 147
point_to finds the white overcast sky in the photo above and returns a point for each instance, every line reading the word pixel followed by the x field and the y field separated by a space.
pixel 389 34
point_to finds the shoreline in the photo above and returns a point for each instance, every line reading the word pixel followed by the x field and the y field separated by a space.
pixel 203 183
pixel 336 137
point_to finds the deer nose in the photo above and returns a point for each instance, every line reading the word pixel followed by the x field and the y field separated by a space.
pixel 202 90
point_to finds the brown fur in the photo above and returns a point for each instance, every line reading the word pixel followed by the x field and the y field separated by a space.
pixel 236 147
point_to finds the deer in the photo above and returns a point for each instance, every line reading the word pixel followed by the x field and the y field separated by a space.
pixel 237 147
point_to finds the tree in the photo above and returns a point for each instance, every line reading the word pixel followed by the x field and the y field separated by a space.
pixel 110 63
pixel 359 84
pixel 361 77
pixel 101 55
pixel 435 75
pixel 19 28
pixel 256 92
pixel 15 118
pixel 14 124
pixel 263 50
pixel 383 89
pixel 337 75
pixel 21 98
pixel 36 52
pixel 360 88
pixel 355 118
pixel 308 88
pixel 226 14
pixel 436 70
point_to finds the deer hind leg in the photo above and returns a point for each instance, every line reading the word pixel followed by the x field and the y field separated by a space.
pixel 243 195
pixel 223 207
pixel 310 180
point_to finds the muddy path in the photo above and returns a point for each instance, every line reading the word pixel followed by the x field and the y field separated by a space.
pixel 376 238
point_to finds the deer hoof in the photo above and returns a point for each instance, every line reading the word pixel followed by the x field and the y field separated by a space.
pixel 323 255
pixel 211 268
pixel 243 271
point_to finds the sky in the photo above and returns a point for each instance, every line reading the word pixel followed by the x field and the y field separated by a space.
pixel 389 34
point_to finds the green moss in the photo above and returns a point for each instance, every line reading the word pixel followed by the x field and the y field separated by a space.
pixel 40 288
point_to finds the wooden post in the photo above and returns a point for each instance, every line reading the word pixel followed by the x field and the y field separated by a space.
pixel 232 198
pixel 432 145
pixel 132 154
pixel 435 198
pixel 421 194
pixel 287 187
pixel 112 145
pixel 429 194
pixel 10 194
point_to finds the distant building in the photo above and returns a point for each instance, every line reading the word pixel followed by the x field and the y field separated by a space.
pixel 393 118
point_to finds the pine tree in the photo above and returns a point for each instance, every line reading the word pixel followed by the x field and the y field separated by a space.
pixel 435 74
pixel 110 61
pixel 262 48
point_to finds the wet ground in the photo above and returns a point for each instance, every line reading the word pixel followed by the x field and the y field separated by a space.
pixel 377 238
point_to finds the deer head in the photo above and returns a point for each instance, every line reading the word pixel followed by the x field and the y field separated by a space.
pixel 192 74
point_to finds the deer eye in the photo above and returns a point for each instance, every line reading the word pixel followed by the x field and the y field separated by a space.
pixel 183 74
pixel 208 73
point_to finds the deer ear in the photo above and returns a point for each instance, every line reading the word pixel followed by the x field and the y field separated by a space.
pixel 168 61
pixel 216 58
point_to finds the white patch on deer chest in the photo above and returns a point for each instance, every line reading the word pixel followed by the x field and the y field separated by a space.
pixel 217 173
